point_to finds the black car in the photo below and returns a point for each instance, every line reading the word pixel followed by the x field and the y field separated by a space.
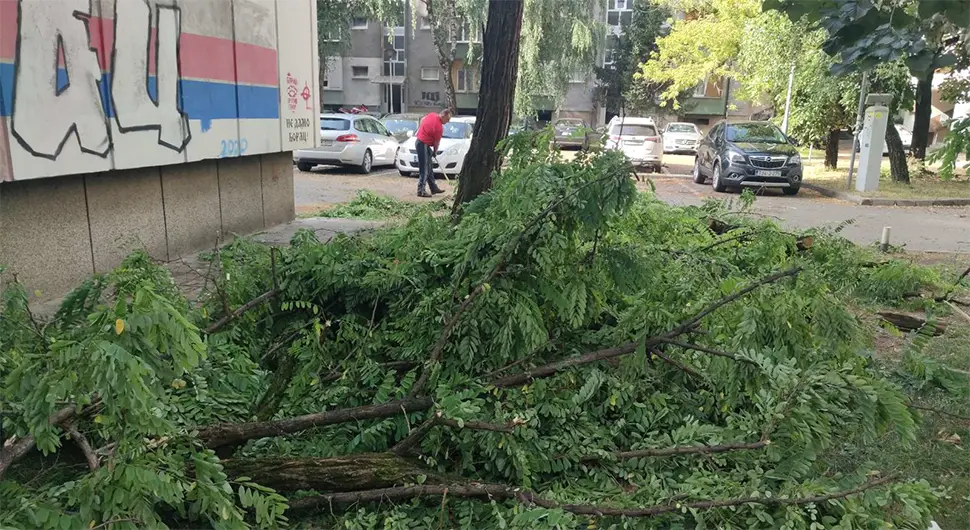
pixel 748 155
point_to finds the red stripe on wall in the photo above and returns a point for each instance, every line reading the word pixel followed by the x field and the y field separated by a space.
pixel 200 56
pixel 8 30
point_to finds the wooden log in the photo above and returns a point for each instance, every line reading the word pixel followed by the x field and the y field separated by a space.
pixel 906 322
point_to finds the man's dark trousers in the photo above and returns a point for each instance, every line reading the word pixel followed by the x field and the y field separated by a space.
pixel 425 171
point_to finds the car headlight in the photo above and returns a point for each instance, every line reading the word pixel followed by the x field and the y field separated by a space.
pixel 735 156
pixel 795 160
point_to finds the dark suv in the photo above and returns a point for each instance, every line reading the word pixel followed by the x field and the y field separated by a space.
pixel 748 155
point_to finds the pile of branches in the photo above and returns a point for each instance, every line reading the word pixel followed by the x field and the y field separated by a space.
pixel 571 353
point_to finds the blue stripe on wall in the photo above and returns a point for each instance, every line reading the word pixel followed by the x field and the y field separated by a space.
pixel 201 100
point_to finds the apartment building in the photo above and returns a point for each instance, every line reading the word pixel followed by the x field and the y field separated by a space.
pixel 393 69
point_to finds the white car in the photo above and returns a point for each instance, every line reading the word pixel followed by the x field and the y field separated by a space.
pixel 455 141
pixel 681 138
pixel 349 140
pixel 638 139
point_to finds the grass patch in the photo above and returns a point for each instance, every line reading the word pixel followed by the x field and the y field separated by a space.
pixel 373 206
pixel 929 187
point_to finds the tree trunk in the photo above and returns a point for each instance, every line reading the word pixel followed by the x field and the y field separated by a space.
pixel 362 471
pixel 443 18
pixel 500 68
pixel 270 402
pixel 921 123
pixel 832 149
pixel 897 155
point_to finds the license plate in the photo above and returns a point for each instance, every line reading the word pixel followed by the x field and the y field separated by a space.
pixel 767 173
pixel 326 143
pixel 414 160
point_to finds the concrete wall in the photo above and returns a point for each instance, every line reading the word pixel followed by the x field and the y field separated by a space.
pixel 56 232
pixel 159 124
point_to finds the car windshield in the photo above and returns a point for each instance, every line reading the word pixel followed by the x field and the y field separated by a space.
pixel 457 130
pixel 334 124
pixel 681 128
pixel 755 133
pixel 631 129
pixel 401 126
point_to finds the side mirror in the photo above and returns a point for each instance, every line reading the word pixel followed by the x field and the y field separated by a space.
pixel 409 133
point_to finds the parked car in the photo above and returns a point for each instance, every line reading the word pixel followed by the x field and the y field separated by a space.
pixel 638 139
pixel 455 141
pixel 681 138
pixel 748 154
pixel 349 140
pixel 571 132
pixel 402 126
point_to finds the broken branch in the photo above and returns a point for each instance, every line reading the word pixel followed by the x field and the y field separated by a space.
pixel 682 450
pixel 704 349
pixel 219 324
pixel 11 452
pixel 503 492
pixel 82 443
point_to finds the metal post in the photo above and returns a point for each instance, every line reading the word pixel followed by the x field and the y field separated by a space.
pixel 791 81
pixel 863 88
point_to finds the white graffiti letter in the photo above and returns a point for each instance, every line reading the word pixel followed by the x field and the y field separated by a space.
pixel 44 114
pixel 133 106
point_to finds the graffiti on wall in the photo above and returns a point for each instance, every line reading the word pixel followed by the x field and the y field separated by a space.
pixel 94 85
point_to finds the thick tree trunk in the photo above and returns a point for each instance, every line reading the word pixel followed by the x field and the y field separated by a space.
pixel 500 68
pixel 921 123
pixel 362 471
pixel 442 16
pixel 832 150
pixel 897 155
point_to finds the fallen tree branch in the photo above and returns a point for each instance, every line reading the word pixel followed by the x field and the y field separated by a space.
pixel 82 443
pixel 959 311
pixel 680 366
pixel 481 425
pixel 231 433
pixel 906 322
pixel 704 349
pixel 415 436
pixel 965 419
pixel 14 449
pixel 681 450
pixel 503 492
pixel 683 327
pixel 219 324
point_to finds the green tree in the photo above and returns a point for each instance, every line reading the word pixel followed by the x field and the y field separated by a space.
pixel 862 34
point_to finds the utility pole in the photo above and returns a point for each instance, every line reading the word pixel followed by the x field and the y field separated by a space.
pixel 791 81
pixel 863 88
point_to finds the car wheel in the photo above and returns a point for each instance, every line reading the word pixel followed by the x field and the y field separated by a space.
pixel 368 163
pixel 716 180
pixel 791 191
pixel 698 176
pixel 303 166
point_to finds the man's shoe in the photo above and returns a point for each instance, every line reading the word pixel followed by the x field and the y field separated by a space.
pixel 436 191
pixel 422 193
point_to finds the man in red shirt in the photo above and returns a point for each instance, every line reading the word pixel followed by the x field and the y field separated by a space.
pixel 426 143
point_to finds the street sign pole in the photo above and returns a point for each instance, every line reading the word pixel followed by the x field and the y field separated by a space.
pixel 863 88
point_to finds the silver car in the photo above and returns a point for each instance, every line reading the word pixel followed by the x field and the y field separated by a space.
pixel 349 140
pixel 681 138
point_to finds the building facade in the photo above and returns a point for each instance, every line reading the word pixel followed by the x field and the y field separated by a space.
pixel 130 124
pixel 396 69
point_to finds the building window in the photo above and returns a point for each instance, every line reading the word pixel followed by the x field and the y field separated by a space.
pixel 467 33
pixel 359 72
pixel 619 12
pixel 466 80
pixel 331 36
pixel 430 74
pixel 425 23
pixel 700 90
pixel 358 23
pixel 612 49
pixel 394 61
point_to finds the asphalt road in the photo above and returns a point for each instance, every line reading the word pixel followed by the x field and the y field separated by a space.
pixel 927 229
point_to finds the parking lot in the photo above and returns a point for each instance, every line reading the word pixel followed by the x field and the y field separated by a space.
pixel 944 229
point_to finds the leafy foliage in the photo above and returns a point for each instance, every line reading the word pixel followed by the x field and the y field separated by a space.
pixel 557 260
pixel 956 143
pixel 370 205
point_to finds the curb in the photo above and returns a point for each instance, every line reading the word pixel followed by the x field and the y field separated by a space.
pixel 875 201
